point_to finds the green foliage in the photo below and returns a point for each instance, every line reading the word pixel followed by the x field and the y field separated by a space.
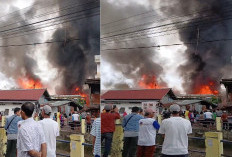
pixel 81 101
pixel 216 100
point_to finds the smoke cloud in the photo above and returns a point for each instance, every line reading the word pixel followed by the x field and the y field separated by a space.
pixel 131 64
pixel 206 63
pixel 73 59
pixel 203 64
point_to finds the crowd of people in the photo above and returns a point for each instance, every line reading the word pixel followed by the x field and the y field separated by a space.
pixel 140 129
pixel 206 117
pixel 27 137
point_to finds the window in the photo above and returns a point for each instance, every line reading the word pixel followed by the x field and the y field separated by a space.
pixel 6 113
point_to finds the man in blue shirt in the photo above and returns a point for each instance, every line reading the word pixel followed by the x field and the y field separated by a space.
pixel 130 125
pixel 12 131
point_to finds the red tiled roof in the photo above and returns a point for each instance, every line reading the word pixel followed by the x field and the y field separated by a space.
pixel 23 95
pixel 143 94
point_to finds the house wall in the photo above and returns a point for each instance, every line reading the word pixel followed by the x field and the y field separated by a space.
pixel 122 106
pixel 43 100
pixel 8 106
pixel 166 99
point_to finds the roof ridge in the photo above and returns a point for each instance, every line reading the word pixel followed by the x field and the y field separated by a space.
pixel 136 89
pixel 22 89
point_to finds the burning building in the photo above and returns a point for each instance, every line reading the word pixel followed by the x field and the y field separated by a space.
pixel 186 48
pixel 126 99
pixel 10 99
pixel 69 37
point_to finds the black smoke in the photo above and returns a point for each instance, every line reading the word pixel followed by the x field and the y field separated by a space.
pixel 133 64
pixel 209 61
pixel 17 62
pixel 74 59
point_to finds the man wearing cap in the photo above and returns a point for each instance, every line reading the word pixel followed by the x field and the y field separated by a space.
pixel 147 134
pixel 51 130
pixel 108 126
pixel 130 125
pixel 176 130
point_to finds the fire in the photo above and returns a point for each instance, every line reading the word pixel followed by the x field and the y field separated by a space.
pixel 82 94
pixel 207 89
pixel 29 83
pixel 149 82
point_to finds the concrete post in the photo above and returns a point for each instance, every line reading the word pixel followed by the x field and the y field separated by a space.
pixel 83 128
pixel 117 144
pixel 218 124
pixel 159 118
pixel 37 118
pixel 214 146
pixel 3 121
pixel 76 147
pixel 58 119
pixel 3 141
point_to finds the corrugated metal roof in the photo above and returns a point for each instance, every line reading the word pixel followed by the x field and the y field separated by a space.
pixel 22 94
pixel 141 94
pixel 59 103
pixel 187 102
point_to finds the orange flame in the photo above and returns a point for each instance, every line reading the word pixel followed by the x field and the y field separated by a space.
pixel 29 83
pixel 207 89
pixel 149 82
pixel 82 94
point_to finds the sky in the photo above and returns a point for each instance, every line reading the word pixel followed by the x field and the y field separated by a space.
pixel 169 58
pixel 184 68
pixel 59 67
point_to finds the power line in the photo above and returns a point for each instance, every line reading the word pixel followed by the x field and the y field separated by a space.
pixel 47 19
pixel 143 14
pixel 153 22
pixel 149 28
pixel 197 23
pixel 167 45
pixel 48 13
pixel 39 43
pixel 10 35
pixel 75 18
pixel 17 10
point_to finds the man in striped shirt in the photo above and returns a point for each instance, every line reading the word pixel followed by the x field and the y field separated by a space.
pixel 96 133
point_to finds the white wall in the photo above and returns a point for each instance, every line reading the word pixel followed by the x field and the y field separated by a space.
pixel 127 106
pixel 11 108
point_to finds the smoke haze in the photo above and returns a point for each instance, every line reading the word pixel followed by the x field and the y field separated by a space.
pixel 73 59
pixel 202 64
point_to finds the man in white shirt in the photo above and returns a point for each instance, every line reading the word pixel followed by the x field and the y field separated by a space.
pixel 147 134
pixel 76 119
pixel 30 139
pixel 51 130
pixel 176 130
pixel 208 115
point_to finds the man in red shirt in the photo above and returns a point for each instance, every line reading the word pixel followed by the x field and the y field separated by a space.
pixel 108 126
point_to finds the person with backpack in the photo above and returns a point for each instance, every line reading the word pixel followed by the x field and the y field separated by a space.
pixel 12 131
pixel 130 125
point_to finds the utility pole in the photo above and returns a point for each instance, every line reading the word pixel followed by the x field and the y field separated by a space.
pixel 198 37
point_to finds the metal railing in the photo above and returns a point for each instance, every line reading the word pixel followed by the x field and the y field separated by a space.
pixel 66 141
